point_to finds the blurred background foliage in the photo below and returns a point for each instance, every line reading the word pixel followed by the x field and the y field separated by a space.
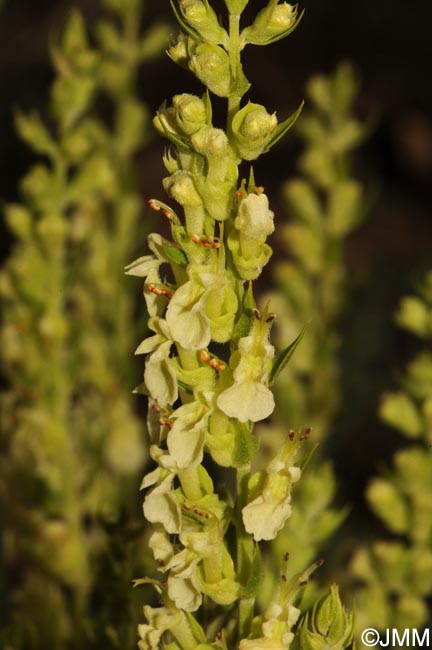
pixel 381 258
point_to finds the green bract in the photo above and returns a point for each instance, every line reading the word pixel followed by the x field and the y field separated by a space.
pixel 253 128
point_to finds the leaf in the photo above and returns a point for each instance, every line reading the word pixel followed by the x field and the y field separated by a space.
pixel 284 127
pixel 208 107
pixel 305 462
pixel 175 255
pixel 282 359
pixel 253 584
pixel 173 137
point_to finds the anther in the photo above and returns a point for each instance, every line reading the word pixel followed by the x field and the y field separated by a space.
pixel 320 561
pixel 257 314
pixel 185 506
pixel 219 635
pixel 164 423
pixel 303 583
pixel 283 578
pixel 286 557
pixel 155 408
pixel 213 363
pixel 291 435
pixel 153 205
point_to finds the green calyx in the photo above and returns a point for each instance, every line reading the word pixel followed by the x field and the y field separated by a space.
pixel 273 23
pixel 328 626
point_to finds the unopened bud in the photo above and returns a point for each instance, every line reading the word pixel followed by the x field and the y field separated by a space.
pixel 178 52
pixel 253 128
pixel 165 121
pixel 181 187
pixel 271 23
pixel 190 112
pixel 254 219
pixel 210 142
pixel 210 63
pixel 201 17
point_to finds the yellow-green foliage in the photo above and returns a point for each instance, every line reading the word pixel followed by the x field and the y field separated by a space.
pixel 396 574
pixel 72 444
pixel 324 205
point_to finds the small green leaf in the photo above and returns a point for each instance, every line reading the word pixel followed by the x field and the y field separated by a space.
pixel 250 590
pixel 305 462
pixel 284 127
pixel 282 359
pixel 173 137
pixel 243 324
pixel 208 107
pixel 175 255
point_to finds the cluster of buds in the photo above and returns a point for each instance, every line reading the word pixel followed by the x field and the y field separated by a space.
pixel 209 363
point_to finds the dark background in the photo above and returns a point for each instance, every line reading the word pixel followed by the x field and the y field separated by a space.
pixel 390 42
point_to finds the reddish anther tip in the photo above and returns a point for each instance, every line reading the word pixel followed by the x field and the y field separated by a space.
pixel 204 356
pixel 286 557
pixel 303 583
pixel 257 314
pixel 153 206
pixel 185 506
pixel 303 439
pixel 291 435
pixel 219 635
pixel 320 562
pixel 283 578
pixel 308 431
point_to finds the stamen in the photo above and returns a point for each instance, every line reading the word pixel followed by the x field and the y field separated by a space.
pixel 213 363
pixel 164 423
pixel 160 292
pixel 206 242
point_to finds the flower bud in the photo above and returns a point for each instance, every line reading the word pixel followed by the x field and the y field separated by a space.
pixel 210 142
pixel 19 220
pixel 271 23
pixel 210 63
pixel 254 219
pixel 253 128
pixel 181 187
pixel 329 626
pixel 165 121
pixel 190 113
pixel 179 52
pixel 201 17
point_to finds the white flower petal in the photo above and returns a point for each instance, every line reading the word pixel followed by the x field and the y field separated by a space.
pixel 247 401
